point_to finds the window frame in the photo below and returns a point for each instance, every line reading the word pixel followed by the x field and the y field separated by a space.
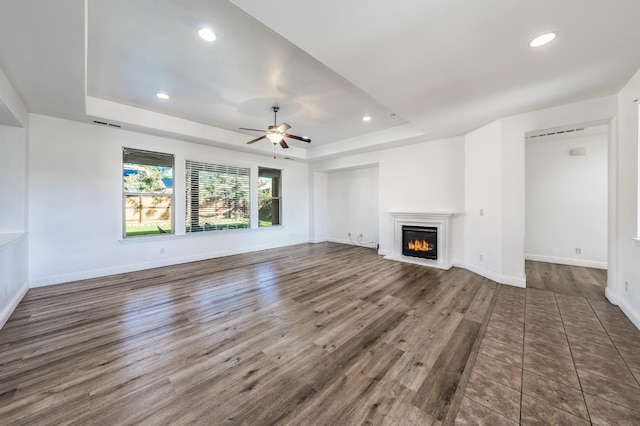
pixel 126 193
pixel 265 171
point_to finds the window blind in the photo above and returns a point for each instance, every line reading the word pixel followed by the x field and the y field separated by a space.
pixel 217 197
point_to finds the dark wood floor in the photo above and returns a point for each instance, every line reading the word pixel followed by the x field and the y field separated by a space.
pixel 310 334
pixel 322 334
pixel 564 279
pixel 557 353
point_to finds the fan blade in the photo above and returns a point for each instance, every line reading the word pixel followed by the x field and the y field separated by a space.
pixel 300 138
pixel 283 127
pixel 283 144
pixel 253 130
pixel 257 139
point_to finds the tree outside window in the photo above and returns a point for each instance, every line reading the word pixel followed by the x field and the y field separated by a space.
pixel 148 192
pixel 218 197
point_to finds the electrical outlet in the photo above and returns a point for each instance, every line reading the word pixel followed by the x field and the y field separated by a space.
pixel 578 250
pixel 481 258
pixel 481 212
pixel 626 286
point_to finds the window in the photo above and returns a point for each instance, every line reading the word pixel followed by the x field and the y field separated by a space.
pixel 148 192
pixel 217 197
pixel 269 198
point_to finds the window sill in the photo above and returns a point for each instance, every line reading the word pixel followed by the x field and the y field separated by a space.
pixel 158 237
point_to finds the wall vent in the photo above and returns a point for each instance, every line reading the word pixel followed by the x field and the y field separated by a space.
pixel 556 132
pixel 104 123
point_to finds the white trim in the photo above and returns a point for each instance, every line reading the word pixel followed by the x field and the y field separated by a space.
pixel 418 261
pixel 436 220
pixel 611 296
pixel 383 252
pixel 513 281
pixel 484 272
pixel 95 273
pixel 13 304
pixel 502 279
pixel 567 261
pixel 630 313
pixel 9 239
pixel 340 241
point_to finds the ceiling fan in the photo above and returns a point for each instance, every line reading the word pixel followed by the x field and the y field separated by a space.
pixel 275 133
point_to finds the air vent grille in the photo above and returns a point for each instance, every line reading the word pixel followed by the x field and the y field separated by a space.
pixel 104 123
pixel 556 133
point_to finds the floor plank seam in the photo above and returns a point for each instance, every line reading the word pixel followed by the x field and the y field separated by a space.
pixel 462 384
pixel 573 360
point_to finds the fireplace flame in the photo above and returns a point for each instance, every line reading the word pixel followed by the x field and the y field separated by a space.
pixel 419 245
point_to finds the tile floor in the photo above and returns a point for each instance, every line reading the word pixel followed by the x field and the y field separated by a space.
pixel 554 359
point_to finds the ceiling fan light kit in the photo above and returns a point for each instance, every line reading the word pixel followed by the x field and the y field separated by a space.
pixel 276 134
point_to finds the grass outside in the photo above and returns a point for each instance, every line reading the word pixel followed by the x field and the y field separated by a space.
pixel 139 229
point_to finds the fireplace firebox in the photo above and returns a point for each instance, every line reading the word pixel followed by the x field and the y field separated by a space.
pixel 420 241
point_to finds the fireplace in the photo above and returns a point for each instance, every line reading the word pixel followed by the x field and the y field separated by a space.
pixel 438 256
pixel 420 241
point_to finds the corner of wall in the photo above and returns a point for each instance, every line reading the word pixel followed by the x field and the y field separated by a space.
pixel 6 312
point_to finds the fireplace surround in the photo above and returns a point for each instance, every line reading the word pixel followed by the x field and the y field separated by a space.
pixel 438 222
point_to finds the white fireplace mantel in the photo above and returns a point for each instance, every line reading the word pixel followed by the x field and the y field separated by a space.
pixel 436 220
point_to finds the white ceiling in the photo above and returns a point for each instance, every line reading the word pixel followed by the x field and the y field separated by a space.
pixel 421 69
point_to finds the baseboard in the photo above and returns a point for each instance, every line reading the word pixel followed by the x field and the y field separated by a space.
pixel 13 304
pixel 341 241
pixel 121 269
pixel 499 278
pixel 349 242
pixel 514 281
pixel 567 261
pixel 624 306
pixel 611 296
pixel 630 313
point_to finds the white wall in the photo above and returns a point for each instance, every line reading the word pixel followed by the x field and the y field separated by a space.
pixel 75 204
pixel 483 201
pixel 13 242
pixel 318 183
pixel 495 176
pixel 13 185
pixel 595 111
pixel 624 226
pixel 425 177
pixel 566 200
pixel 12 179
pixel 352 206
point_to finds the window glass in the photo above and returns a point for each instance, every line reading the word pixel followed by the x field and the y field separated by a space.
pixel 269 198
pixel 148 192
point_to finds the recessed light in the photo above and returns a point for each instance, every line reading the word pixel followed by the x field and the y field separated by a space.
pixel 207 34
pixel 366 118
pixel 162 95
pixel 542 40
